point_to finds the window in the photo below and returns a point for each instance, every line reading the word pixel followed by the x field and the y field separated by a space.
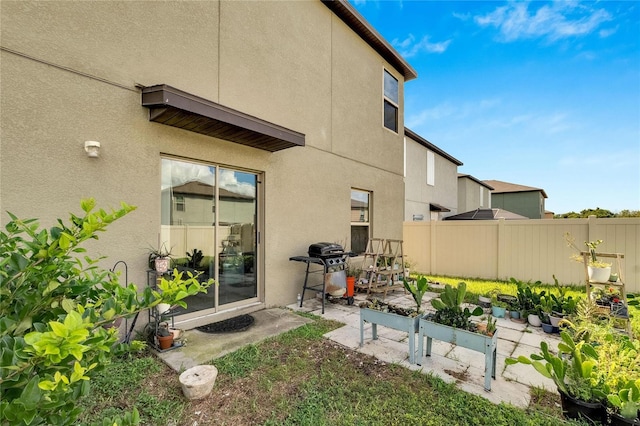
pixel 360 220
pixel 390 103
pixel 431 168
pixel 179 203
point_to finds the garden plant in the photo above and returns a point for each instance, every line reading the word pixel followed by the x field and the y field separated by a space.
pixel 56 308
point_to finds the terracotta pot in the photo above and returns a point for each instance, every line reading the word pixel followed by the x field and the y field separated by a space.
pixel 165 342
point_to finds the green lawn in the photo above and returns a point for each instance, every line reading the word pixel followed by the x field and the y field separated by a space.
pixel 301 378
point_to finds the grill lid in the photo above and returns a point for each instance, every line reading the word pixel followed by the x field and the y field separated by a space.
pixel 325 249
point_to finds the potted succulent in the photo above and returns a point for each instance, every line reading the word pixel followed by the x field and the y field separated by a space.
pixel 627 403
pixel 598 271
pixel 546 308
pixel 399 318
pixel 452 323
pixel 159 259
pixel 498 308
pixel 573 370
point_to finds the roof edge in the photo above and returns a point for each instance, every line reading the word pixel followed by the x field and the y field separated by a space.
pixel 422 141
pixel 354 20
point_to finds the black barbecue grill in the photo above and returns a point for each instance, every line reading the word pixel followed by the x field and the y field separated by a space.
pixel 332 260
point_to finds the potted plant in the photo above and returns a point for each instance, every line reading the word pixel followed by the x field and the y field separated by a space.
pixel 484 300
pixel 573 371
pixel 452 323
pixel 626 403
pixel 164 336
pixel 399 318
pixel 498 308
pixel 159 259
pixel 598 271
pixel 546 308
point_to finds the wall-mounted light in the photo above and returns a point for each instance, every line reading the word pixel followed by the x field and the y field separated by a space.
pixel 92 148
pixel 418 217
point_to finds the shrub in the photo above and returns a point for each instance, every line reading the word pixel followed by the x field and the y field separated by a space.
pixel 53 305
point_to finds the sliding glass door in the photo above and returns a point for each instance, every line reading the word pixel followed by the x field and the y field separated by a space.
pixel 208 218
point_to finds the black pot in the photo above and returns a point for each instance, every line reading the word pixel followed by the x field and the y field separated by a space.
pixel 616 419
pixel 572 408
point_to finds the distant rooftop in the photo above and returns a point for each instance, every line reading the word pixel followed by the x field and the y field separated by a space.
pixel 476 180
pixel 500 187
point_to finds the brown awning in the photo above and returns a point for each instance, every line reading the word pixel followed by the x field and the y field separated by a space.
pixel 438 208
pixel 173 107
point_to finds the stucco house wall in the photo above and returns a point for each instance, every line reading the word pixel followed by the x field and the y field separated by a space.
pixel 73 71
pixel 472 194
pixel 425 199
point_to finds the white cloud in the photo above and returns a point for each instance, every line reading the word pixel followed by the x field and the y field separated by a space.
pixel 448 111
pixel 409 47
pixel 229 181
pixel 554 21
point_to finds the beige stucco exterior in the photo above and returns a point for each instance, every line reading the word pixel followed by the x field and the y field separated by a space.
pixel 73 71
pixel 472 194
pixel 419 193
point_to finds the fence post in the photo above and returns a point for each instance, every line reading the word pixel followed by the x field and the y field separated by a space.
pixel 591 227
pixel 500 249
pixel 433 246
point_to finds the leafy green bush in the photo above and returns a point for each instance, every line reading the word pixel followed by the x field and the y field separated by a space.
pixel 54 302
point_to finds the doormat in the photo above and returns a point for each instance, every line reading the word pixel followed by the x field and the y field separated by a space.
pixel 231 325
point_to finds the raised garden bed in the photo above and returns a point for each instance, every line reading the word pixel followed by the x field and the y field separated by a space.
pixel 466 339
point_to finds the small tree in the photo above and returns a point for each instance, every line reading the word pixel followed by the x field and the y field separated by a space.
pixel 53 305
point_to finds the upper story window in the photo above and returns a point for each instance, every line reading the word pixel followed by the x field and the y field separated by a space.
pixel 431 168
pixel 179 203
pixel 390 102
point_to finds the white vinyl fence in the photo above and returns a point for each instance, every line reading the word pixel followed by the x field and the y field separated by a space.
pixel 524 249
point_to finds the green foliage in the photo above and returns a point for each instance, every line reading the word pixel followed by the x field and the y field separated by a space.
pixel 627 400
pixel 417 288
pixel 195 258
pixel 449 310
pixel 572 369
pixel 598 212
pixel 54 301
pixel 528 298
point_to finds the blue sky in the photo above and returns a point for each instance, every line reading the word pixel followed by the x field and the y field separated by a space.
pixel 543 94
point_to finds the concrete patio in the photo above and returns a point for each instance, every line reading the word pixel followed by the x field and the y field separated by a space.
pixel 449 362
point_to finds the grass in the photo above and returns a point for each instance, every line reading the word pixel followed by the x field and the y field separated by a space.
pixel 478 287
pixel 300 378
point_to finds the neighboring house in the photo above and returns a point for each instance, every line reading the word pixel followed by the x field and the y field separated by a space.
pixel 472 193
pixel 431 190
pixel 524 200
pixel 209 106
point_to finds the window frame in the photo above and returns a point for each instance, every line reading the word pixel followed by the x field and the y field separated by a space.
pixel 361 223
pixel 386 100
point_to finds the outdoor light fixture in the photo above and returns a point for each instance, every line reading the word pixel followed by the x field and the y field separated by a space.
pixel 92 148
pixel 418 217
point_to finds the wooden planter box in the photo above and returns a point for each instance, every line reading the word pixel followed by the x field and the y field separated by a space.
pixel 392 320
pixel 467 339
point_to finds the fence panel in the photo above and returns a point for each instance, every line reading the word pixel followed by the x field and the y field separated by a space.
pixel 524 249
